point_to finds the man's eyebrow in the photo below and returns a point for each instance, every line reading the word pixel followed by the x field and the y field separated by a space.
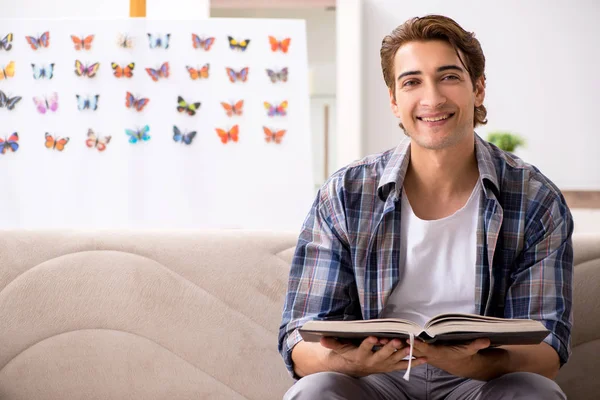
pixel 440 69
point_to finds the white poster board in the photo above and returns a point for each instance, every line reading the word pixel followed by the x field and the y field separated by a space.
pixel 158 183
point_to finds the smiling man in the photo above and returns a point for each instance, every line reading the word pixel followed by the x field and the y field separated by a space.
pixel 445 222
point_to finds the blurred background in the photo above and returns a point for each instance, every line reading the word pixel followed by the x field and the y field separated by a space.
pixel 542 58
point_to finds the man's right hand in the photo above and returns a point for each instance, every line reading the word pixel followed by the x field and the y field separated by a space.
pixel 332 355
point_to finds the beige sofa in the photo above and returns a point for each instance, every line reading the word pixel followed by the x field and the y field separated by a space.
pixel 180 315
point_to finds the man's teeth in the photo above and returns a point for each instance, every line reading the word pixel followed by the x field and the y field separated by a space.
pixel 442 117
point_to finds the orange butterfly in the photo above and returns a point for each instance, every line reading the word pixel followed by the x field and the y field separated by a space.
pixel 56 143
pixel 82 43
pixel 126 71
pixel 232 109
pixel 226 136
pixel 273 136
pixel 201 73
pixel 279 45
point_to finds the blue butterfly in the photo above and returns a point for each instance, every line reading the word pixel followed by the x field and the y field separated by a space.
pixel 42 71
pixel 11 143
pixel 180 137
pixel 87 102
pixel 158 41
pixel 141 134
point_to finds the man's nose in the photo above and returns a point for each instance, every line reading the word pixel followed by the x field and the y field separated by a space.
pixel 432 96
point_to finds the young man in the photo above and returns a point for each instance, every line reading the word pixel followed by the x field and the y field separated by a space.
pixel 445 223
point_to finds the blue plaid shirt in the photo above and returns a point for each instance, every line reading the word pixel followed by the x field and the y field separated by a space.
pixel 347 260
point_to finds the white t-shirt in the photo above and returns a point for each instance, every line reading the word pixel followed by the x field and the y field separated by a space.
pixel 437 264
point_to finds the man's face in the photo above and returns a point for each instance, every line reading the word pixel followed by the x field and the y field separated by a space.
pixel 434 96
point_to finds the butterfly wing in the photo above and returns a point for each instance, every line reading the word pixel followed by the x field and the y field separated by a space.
pixel 6 43
pixel 228 108
pixel 188 137
pixel 152 41
pixel 270 109
pixel 231 74
pixel 282 108
pixel 10 104
pixel 283 74
pixel 268 134
pixel 278 136
pixel 243 75
pixel 87 42
pixel 49 71
pixel 117 70
pixel 40 105
pixel 3 99
pixel 243 45
pixel 92 70
pixel 204 71
pixel 94 102
pixel 77 42
pixel 234 133
pixel 237 107
pixel 81 102
pixel 44 40
pixel 13 142
pixel 133 136
pixel 79 68
pixel 128 70
pixel 208 43
pixel 102 142
pixel 166 40
pixel 61 143
pixel 177 135
pixel 284 45
pixel 153 74
pixel 92 140
pixel 274 43
pixel 233 44
pixel 52 102
pixel 49 141
pixel 194 73
pixel 223 135
pixel 37 71
pixel 272 75
pixel 33 42
pixel 8 72
pixel 164 70
pixel 144 133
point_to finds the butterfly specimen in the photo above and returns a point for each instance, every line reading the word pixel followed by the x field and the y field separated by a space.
pixel 97 142
pixel 202 43
pixel 43 71
pixel 11 143
pixel 126 71
pixel 274 110
pixel 55 143
pixel 90 103
pixel 200 73
pixel 232 109
pixel 44 104
pixel 138 135
pixel 40 41
pixel 86 70
pixel 162 72
pixel 6 43
pixel 242 75
pixel 8 102
pixel 82 43
pixel 125 41
pixel 158 41
pixel 135 102
pixel 230 135
pixel 279 45
pixel 278 76
pixel 8 71
pixel 183 138
pixel 190 108
pixel 240 45
pixel 274 136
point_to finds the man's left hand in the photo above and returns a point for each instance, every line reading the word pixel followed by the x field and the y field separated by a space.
pixel 457 360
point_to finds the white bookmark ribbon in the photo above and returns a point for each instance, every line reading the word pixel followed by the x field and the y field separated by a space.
pixel 410 356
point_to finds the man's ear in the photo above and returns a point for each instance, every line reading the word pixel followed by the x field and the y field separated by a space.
pixel 479 91
pixel 393 103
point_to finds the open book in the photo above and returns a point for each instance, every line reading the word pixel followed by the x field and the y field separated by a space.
pixel 442 329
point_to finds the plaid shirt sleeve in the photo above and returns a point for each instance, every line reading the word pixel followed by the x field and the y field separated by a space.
pixel 542 280
pixel 321 275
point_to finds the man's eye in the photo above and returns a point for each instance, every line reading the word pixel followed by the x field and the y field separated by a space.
pixel 409 83
pixel 451 77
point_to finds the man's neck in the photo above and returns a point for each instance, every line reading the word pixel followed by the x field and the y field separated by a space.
pixel 439 182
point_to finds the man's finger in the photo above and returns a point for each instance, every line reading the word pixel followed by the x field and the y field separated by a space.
pixel 335 345
pixel 479 344
pixel 366 347
pixel 392 347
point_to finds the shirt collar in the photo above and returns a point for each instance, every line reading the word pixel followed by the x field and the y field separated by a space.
pixel 393 175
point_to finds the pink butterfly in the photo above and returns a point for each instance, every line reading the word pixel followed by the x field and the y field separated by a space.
pixel 44 104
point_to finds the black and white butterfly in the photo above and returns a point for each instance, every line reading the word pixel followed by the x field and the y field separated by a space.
pixel 8 102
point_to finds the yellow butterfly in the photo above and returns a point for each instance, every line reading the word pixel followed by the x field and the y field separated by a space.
pixel 8 71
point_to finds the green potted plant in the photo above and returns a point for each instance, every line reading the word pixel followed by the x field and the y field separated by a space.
pixel 505 140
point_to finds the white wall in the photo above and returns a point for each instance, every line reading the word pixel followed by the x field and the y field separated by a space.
pixel 542 73
pixel 64 9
